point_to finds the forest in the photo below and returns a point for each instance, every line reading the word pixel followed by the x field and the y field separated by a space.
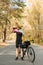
pixel 27 14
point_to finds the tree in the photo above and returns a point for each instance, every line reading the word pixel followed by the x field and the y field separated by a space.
pixel 6 12
pixel 36 21
pixel 4 25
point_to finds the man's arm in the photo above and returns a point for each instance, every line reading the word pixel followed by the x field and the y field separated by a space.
pixel 21 32
pixel 14 30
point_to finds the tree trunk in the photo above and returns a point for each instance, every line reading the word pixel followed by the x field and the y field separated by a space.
pixel 4 33
pixel 39 36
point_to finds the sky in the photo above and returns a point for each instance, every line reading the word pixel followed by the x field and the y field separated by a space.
pixel 28 4
pixel 18 0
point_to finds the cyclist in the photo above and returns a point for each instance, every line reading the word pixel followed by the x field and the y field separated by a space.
pixel 19 34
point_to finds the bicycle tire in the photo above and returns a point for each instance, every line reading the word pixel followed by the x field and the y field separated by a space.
pixel 31 52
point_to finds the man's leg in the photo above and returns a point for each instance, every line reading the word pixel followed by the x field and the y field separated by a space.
pixel 21 51
pixel 17 51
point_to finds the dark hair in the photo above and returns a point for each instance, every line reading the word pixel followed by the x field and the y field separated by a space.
pixel 14 27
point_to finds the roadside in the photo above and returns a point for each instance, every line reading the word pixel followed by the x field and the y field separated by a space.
pixel 36 44
pixel 12 42
pixel 3 44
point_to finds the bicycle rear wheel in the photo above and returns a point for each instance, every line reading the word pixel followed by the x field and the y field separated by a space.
pixel 31 54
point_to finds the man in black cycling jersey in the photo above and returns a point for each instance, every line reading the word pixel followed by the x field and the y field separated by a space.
pixel 19 34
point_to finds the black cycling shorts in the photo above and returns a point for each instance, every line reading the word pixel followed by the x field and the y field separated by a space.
pixel 18 44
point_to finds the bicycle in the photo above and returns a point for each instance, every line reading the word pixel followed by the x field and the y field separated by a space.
pixel 30 51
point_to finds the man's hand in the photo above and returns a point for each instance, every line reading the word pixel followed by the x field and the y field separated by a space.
pixel 14 30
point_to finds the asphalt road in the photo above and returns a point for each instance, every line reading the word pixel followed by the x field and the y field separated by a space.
pixel 7 56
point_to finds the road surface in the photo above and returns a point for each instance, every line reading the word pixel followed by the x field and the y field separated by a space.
pixel 7 56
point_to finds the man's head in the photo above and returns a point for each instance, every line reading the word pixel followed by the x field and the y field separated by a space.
pixel 13 29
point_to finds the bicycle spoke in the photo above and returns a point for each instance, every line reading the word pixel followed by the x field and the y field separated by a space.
pixel 31 54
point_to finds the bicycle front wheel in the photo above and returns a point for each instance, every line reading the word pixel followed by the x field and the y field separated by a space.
pixel 31 54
